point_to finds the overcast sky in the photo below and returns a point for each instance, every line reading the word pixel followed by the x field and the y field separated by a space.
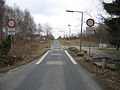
pixel 54 12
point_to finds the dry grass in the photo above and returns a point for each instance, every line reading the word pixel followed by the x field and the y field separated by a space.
pixel 25 53
pixel 27 49
pixel 64 42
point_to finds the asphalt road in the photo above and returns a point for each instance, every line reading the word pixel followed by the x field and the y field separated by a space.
pixel 55 71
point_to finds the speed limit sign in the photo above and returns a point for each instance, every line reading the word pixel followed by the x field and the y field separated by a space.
pixel 11 23
pixel 90 22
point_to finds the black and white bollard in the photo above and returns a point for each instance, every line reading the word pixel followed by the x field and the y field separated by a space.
pixel 103 63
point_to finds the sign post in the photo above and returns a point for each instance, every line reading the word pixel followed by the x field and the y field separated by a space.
pixel 90 30
pixel 11 29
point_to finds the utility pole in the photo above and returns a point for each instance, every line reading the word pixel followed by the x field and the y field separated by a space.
pixel 81 38
pixel 69 34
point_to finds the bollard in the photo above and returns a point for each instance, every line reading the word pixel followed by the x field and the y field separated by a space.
pixel 103 63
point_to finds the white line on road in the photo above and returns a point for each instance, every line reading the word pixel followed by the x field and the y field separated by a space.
pixel 41 59
pixel 73 61
pixel 56 54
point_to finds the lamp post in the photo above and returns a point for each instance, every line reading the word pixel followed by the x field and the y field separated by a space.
pixel 69 34
pixel 81 26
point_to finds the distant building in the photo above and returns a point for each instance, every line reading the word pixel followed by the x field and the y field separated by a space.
pixel 39 37
pixel 35 37
pixel 43 39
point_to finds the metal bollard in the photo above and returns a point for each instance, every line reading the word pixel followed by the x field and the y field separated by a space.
pixel 103 63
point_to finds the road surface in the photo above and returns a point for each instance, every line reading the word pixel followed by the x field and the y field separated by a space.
pixel 56 70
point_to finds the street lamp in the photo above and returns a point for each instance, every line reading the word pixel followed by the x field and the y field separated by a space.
pixel 81 26
pixel 69 34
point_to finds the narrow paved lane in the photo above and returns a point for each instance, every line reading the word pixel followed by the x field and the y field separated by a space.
pixel 55 72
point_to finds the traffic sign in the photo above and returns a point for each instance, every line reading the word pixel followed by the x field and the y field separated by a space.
pixel 11 33
pixel 11 29
pixel 90 30
pixel 90 22
pixel 11 23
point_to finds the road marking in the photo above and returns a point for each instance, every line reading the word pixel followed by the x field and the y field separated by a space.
pixel 70 57
pixel 41 59
pixel 56 63
pixel 56 54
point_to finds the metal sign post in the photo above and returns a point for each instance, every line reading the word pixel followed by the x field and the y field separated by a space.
pixel 11 30
pixel 11 45
pixel 90 30
pixel 89 43
pixel 69 33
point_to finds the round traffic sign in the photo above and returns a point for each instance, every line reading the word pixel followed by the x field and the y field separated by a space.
pixel 11 23
pixel 90 22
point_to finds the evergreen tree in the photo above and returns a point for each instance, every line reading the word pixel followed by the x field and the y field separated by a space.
pixel 5 46
pixel 114 24
pixel 2 10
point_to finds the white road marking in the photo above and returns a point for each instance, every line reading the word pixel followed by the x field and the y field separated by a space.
pixel 41 59
pixel 56 62
pixel 56 54
pixel 70 57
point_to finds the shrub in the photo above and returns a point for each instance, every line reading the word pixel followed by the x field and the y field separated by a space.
pixel 76 50
pixel 87 58
pixel 5 46
pixel 81 54
pixel 85 51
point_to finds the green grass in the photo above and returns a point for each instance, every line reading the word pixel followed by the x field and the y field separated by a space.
pixel 110 50
pixel 85 44
pixel 64 42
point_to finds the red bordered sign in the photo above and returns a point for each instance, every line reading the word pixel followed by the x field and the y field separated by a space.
pixel 11 23
pixel 90 22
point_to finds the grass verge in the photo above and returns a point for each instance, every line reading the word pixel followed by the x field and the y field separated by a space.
pixel 64 42
pixel 85 44
pixel 110 50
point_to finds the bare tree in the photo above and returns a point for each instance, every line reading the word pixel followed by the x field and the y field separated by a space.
pixel 101 35
pixel 47 28
pixel 39 29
